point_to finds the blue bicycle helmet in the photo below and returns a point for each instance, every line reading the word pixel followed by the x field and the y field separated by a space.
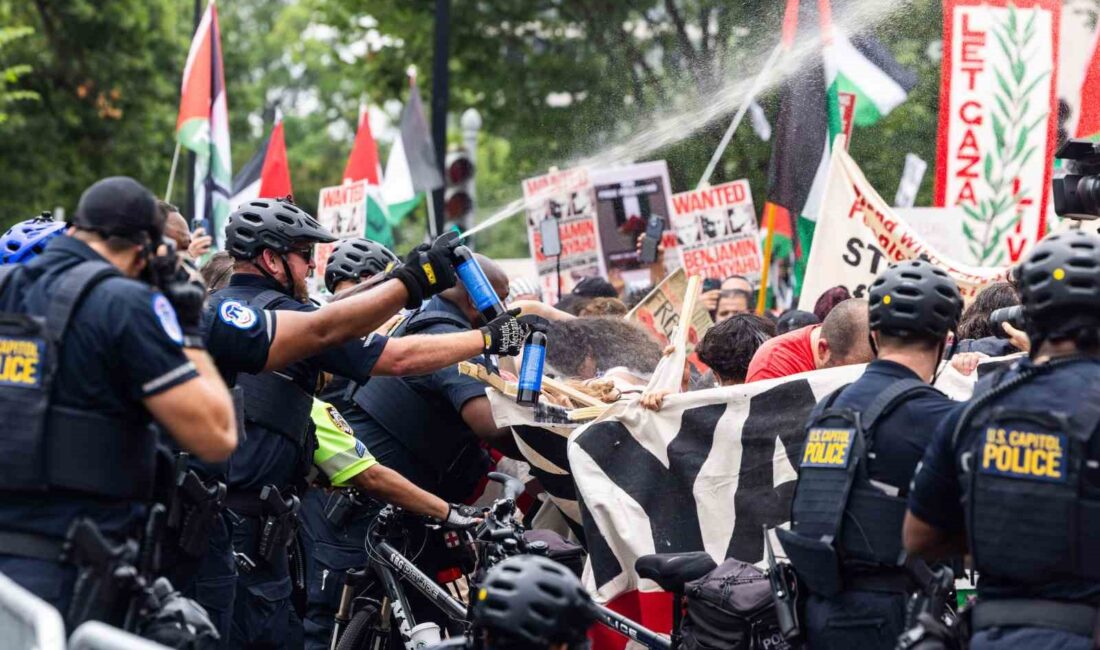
pixel 26 240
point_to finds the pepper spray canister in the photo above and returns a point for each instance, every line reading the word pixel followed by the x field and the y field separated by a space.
pixel 477 285
pixel 530 372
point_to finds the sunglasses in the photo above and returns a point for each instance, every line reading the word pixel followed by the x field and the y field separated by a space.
pixel 305 253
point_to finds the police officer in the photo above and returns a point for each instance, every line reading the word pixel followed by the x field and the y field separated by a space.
pixel 863 443
pixel 1013 476
pixel 426 428
pixel 271 242
pixel 529 602
pixel 118 348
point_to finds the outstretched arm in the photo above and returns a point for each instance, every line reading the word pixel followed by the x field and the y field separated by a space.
pixel 387 485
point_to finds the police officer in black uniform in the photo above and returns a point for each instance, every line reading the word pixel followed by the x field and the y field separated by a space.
pixel 863 443
pixel 1013 476
pixel 271 242
pixel 100 338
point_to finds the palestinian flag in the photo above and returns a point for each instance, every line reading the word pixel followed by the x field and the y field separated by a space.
pixel 267 174
pixel 412 168
pixel 203 124
pixel 362 165
pixel 810 118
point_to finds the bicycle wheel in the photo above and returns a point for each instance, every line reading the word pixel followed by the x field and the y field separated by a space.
pixel 361 631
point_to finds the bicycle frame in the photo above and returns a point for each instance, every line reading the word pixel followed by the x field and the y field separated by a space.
pixel 632 630
pixel 400 568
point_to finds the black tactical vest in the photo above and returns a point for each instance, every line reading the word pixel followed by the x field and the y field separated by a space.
pixel 45 445
pixel 1033 477
pixel 838 518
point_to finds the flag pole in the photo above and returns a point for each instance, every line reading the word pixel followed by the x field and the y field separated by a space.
pixel 754 90
pixel 172 174
pixel 762 295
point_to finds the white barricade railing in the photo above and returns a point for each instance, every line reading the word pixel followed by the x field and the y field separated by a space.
pixel 99 636
pixel 28 622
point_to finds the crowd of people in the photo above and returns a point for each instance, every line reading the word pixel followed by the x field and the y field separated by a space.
pixel 141 367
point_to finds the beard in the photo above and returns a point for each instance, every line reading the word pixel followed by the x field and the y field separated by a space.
pixel 301 291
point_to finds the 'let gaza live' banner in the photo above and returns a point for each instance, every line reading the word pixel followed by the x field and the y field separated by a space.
pixel 859 235
pixel 716 227
pixel 998 121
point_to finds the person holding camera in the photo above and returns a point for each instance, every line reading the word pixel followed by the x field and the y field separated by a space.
pixel 863 444
pixel 99 338
pixel 1012 477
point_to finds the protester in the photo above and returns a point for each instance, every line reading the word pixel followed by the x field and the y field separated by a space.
pixel 604 307
pixel 594 347
pixel 794 319
pixel 595 287
pixel 571 303
pixel 1010 478
pixel 845 536
pixel 729 346
pixel 737 283
pixel 192 245
pixel 732 302
pixel 841 340
pixel 828 301
pixel 216 271
pixel 977 333
pixel 523 289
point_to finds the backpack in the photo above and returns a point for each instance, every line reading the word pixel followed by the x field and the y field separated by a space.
pixel 731 608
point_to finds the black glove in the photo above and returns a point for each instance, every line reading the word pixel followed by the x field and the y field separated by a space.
pixel 187 296
pixel 504 335
pixel 460 517
pixel 427 270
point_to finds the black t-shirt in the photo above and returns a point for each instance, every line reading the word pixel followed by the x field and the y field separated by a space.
pixel 123 345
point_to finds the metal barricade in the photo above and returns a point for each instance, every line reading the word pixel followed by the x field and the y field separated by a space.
pixel 94 635
pixel 26 621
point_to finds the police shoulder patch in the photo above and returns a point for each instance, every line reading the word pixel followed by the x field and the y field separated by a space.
pixel 830 448
pixel 166 314
pixel 338 420
pixel 237 314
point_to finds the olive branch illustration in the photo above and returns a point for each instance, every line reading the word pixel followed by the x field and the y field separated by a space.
pixel 986 225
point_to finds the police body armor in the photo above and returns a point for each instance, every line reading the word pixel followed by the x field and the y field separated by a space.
pixel 46 445
pixel 459 459
pixel 1033 478
pixel 275 402
pixel 839 520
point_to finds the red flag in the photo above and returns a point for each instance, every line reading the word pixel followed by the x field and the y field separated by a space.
pixel 363 162
pixel 275 177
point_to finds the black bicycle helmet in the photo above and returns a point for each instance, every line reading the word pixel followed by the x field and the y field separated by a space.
pixel 119 206
pixel 914 298
pixel 533 600
pixel 354 258
pixel 1059 284
pixel 271 223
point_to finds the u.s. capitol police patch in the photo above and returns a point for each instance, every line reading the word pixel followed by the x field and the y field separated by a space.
pixel 238 315
pixel 166 314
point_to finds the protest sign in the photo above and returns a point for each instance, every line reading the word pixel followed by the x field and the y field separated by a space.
pixel 659 313
pixel 859 235
pixel 626 198
pixel 341 209
pixel 716 229
pixel 565 196
pixel 998 121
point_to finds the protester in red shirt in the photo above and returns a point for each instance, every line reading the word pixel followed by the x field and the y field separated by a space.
pixel 840 341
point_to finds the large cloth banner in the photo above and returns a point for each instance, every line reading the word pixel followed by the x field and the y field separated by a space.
pixel 342 209
pixel 704 473
pixel 566 197
pixel 998 122
pixel 716 227
pixel 859 235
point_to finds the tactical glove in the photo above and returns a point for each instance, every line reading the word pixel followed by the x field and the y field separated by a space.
pixel 427 270
pixel 504 335
pixel 460 517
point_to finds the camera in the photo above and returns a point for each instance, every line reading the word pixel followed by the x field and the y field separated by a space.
pixel 1014 316
pixel 1077 193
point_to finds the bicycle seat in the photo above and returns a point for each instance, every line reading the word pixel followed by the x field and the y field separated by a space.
pixel 671 571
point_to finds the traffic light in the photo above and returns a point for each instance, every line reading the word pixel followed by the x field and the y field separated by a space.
pixel 458 199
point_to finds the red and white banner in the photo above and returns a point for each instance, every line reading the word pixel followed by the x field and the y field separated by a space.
pixel 998 119
pixel 716 228
pixel 565 196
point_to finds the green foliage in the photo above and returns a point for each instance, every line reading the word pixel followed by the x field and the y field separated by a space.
pixel 11 74
pixel 553 80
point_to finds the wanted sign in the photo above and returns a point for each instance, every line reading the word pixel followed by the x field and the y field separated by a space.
pixel 859 235
pixel 342 209
pixel 717 233
pixel 566 198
